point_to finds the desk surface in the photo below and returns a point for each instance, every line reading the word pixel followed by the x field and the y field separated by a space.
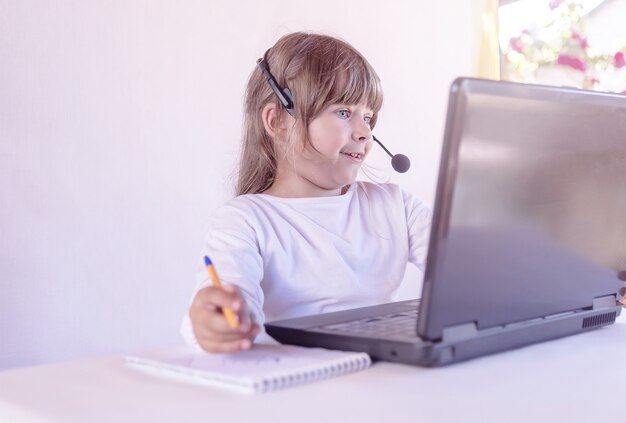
pixel 579 378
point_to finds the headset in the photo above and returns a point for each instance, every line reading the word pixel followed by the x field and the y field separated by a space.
pixel 399 162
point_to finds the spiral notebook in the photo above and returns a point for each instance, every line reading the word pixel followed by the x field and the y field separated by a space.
pixel 261 369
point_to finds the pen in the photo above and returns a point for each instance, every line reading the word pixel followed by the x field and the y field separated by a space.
pixel 230 316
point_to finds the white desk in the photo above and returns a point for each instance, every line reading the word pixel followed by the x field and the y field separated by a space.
pixel 581 378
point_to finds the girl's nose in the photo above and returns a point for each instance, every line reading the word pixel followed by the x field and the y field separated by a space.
pixel 361 132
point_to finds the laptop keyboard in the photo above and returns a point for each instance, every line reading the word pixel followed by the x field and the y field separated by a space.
pixel 395 325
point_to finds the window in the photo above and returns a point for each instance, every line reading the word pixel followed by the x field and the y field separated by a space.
pixel 580 43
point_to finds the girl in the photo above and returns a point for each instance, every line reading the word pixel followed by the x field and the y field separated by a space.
pixel 303 237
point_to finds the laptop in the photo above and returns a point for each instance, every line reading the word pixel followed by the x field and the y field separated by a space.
pixel 528 239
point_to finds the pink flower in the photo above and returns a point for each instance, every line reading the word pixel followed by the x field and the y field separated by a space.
pixel 554 4
pixel 619 60
pixel 584 44
pixel 517 44
pixel 572 62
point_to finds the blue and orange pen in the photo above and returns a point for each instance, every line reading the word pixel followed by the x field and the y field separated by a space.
pixel 228 312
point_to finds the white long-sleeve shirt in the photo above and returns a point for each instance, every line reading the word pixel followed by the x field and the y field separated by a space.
pixel 300 256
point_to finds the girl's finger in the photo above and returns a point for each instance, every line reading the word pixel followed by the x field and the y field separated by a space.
pixel 225 347
pixel 212 297
pixel 213 320
pixel 215 327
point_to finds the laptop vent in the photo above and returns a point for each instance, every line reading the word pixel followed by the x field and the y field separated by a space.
pixel 599 320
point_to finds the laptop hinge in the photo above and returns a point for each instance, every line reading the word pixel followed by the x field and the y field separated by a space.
pixel 604 302
pixel 459 332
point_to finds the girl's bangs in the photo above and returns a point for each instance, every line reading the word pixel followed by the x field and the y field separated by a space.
pixel 356 84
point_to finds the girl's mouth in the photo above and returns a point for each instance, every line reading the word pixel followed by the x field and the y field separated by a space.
pixel 354 156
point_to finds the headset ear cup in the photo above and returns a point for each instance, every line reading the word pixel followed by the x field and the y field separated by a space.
pixel 289 97
pixel 283 94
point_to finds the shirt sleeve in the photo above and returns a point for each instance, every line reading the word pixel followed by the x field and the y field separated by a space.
pixel 418 219
pixel 232 245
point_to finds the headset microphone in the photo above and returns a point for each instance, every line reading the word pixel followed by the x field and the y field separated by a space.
pixel 399 162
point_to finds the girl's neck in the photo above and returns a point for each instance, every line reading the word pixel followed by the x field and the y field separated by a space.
pixel 306 190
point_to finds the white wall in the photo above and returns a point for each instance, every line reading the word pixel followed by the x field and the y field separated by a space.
pixel 119 126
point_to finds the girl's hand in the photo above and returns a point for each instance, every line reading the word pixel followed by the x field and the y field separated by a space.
pixel 210 326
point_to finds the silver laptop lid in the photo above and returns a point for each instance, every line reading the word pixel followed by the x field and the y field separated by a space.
pixel 530 213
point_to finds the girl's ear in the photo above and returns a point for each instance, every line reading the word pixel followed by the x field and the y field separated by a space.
pixel 270 118
pixel 273 122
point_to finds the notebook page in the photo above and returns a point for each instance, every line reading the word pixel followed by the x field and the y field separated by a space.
pixel 262 368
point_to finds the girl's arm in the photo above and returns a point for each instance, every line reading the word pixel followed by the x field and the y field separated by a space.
pixel 233 247
pixel 418 220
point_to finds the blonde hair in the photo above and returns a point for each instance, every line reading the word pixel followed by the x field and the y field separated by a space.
pixel 319 70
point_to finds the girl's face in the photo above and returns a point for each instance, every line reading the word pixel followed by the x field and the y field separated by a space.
pixel 341 138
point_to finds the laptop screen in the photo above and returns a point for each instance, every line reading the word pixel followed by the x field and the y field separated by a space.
pixel 530 215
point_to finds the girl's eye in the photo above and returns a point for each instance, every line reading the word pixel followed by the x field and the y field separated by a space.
pixel 367 119
pixel 343 114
